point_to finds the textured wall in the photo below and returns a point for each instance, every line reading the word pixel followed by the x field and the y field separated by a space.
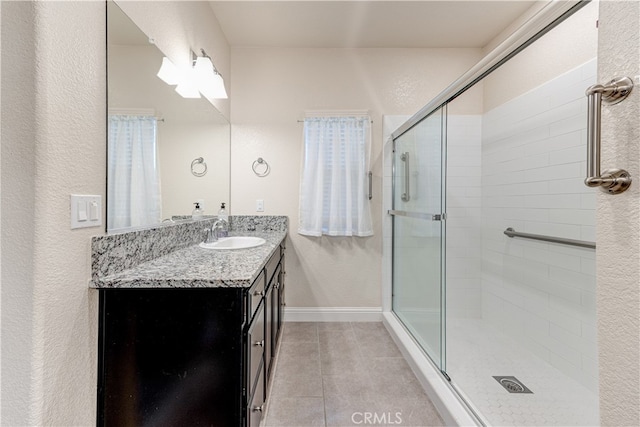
pixel 618 234
pixel 272 88
pixel 17 152
pixel 70 158
pixel 54 117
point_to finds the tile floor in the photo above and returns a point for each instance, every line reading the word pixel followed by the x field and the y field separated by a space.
pixel 344 374
pixel 476 351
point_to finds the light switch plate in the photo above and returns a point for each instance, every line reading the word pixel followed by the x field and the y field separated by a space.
pixel 259 205
pixel 86 211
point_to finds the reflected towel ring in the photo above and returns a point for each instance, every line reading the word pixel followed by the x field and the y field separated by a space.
pixel 199 164
pixel 261 164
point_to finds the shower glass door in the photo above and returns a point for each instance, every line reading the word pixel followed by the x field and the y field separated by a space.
pixel 418 233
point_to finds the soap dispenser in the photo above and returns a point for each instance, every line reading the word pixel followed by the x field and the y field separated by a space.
pixel 224 218
pixel 197 212
pixel 222 213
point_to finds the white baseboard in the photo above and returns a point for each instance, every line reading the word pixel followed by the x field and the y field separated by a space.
pixel 333 314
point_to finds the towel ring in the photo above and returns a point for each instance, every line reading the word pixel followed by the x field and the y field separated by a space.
pixel 261 164
pixel 199 164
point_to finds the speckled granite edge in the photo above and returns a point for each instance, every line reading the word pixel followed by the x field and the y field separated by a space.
pixel 114 253
pixel 259 223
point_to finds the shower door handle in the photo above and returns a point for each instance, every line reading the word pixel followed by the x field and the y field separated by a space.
pixel 612 181
pixel 406 196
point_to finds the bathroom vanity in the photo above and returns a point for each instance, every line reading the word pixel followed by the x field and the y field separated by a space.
pixel 189 337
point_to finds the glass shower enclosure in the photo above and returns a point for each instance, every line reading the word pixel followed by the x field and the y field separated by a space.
pixel 510 322
pixel 418 232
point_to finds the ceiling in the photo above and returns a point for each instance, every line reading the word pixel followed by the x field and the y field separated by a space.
pixel 366 23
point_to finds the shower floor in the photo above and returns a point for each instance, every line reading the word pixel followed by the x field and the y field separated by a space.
pixel 476 352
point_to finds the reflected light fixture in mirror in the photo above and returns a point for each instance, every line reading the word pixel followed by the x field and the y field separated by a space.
pixel 209 80
pixel 184 79
pixel 168 72
pixel 187 89
pixel 202 78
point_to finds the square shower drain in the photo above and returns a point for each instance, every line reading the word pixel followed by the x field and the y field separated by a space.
pixel 513 385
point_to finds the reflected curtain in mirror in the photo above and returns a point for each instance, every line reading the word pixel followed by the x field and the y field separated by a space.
pixel 133 172
pixel 334 198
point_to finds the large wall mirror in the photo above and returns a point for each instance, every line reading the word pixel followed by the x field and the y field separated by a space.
pixel 159 144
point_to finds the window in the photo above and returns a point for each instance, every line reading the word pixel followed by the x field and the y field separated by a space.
pixel 334 182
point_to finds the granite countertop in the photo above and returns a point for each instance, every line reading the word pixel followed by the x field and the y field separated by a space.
pixel 196 267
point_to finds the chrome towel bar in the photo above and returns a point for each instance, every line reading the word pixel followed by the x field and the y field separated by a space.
pixel 612 181
pixel 572 242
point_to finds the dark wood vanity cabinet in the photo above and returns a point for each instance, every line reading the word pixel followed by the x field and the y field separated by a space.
pixel 189 356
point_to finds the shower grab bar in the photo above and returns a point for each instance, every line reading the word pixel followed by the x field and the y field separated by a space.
pixel 612 181
pixel 406 196
pixel 419 215
pixel 572 242
pixel 370 176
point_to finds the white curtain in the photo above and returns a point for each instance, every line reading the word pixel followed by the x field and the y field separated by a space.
pixel 334 183
pixel 133 192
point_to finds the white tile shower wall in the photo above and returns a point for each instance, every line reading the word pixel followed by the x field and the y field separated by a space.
pixel 533 165
pixel 464 216
pixel 463 243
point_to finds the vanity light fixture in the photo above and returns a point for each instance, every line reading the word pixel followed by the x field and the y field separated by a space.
pixel 209 80
pixel 168 72
pixel 201 78
pixel 172 75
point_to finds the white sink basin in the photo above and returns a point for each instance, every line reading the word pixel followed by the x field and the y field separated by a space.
pixel 234 242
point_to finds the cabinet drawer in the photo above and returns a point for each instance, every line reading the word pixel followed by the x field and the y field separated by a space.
pixel 256 403
pixel 255 349
pixel 254 296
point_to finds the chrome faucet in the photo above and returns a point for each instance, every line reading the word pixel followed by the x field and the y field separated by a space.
pixel 220 228
pixel 216 231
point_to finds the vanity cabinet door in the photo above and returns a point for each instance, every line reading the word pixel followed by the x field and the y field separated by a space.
pixel 170 356
pixel 269 351
pixel 274 319
pixel 256 404
pixel 279 310
pixel 255 345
